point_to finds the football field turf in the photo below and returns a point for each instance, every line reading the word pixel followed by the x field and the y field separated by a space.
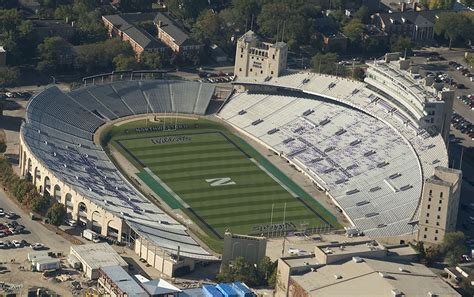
pixel 219 180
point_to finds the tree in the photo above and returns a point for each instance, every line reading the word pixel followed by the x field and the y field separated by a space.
pixel 186 9
pixel 325 63
pixel 266 269
pixel 358 74
pixel 262 274
pixel 99 56
pixel 271 18
pixel 454 246
pixel 363 14
pixel 8 76
pixel 208 28
pixel 135 5
pixel 453 25
pixel 36 202
pixel 56 214
pixel 151 60
pixel 353 30
pixel 54 54
pixel 246 9
pixel 401 44
pixel 124 62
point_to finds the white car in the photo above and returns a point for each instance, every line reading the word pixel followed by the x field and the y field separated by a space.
pixel 2 245
pixel 37 246
pixel 71 223
pixel 16 243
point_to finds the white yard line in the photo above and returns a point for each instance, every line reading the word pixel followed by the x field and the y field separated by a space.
pixel 274 178
pixel 156 178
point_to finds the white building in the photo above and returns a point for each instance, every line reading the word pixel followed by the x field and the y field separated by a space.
pixel 255 58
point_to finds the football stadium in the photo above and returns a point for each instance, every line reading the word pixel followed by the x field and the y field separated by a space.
pixel 221 182
pixel 370 149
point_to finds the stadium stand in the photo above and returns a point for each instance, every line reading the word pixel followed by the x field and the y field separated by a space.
pixel 59 129
pixel 368 155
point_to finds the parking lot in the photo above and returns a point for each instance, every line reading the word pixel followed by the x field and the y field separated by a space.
pixel 14 266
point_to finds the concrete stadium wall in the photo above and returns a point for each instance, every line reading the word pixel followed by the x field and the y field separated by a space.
pixel 46 181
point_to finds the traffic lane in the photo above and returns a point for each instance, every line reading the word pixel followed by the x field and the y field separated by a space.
pixel 37 232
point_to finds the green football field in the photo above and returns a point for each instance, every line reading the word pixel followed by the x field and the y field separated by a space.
pixel 217 179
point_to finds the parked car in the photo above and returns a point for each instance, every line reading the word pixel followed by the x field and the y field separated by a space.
pixel 17 243
pixel 37 246
pixel 71 223
pixel 2 245
pixel 10 215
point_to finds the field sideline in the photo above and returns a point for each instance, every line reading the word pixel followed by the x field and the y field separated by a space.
pixel 216 178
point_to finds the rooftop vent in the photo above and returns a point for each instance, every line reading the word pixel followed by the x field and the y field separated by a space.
pixel 352 192
pixel 77 177
pixel 401 269
pixel 355 142
pixel 338 276
pixel 397 293
pixel 374 189
pixel 45 142
pixel 357 259
pixel 242 112
pixel 383 274
pixel 431 294
pixel 324 122
pixel 273 131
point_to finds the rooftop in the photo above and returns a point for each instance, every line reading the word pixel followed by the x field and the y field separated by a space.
pixel 124 281
pixel 173 29
pixel 373 278
pixel 350 247
pixel 98 255
pixel 128 23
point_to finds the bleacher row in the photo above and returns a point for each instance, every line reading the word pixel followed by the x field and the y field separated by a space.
pixel 59 129
pixel 370 166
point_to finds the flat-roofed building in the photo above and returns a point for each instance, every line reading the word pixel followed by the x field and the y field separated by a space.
pixel 357 270
pixel 95 256
pixel 439 205
pixel 255 58
pixel 114 281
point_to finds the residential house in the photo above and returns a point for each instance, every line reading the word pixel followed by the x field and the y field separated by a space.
pixel 418 25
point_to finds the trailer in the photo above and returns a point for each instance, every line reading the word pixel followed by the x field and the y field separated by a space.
pixel 90 235
pixel 48 264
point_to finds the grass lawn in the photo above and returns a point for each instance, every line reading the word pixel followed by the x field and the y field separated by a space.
pixel 216 178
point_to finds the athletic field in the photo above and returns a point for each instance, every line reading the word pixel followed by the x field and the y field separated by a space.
pixel 216 178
